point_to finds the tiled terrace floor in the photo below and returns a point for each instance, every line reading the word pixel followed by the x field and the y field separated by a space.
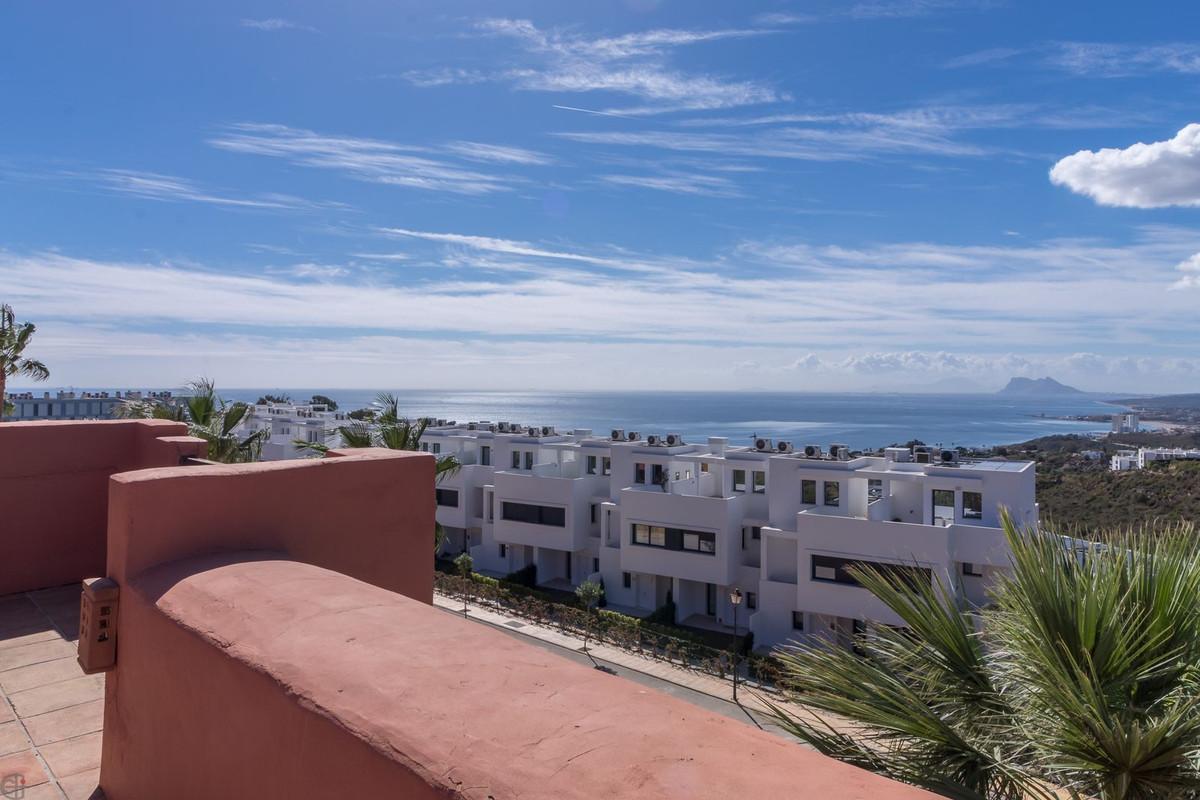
pixel 51 714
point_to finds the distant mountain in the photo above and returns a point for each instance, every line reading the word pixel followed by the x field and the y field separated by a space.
pixel 1038 387
pixel 1166 402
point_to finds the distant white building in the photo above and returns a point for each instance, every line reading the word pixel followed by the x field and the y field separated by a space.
pixel 1137 459
pixel 655 518
pixel 1125 423
pixel 290 423
pixel 76 405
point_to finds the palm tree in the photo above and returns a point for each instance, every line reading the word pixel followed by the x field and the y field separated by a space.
pixel 390 429
pixel 14 339
pixel 1083 675
pixel 208 417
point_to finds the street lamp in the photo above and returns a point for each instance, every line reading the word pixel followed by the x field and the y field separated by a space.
pixel 735 599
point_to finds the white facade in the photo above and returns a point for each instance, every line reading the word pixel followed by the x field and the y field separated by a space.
pixel 1125 423
pixel 689 522
pixel 76 405
pixel 1131 459
pixel 290 423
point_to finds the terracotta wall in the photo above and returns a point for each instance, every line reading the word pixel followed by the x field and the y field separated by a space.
pixel 54 492
pixel 246 678
pixel 366 513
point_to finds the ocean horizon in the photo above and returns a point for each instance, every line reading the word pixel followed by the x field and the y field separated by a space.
pixel 857 419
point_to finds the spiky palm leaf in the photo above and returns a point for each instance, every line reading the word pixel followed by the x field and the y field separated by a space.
pixel 1083 675
pixel 14 339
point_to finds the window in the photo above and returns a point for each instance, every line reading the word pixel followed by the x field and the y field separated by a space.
pixel 704 467
pixel 516 459
pixel 972 505
pixel 833 493
pixel 760 482
pixel 808 493
pixel 837 570
pixel 657 475
pixel 534 515
pixel 756 532
pixel 739 480
pixel 424 447
pixel 974 570
pixel 874 490
pixel 528 459
pixel 943 506
pixel 751 600
pixel 435 448
pixel 797 620
pixel 639 473
pixel 485 456
pixel 594 507
pixel 675 538
pixel 605 466
pixel 503 550
pixel 595 565
pixel 627 580
pixel 447 497
pixel 591 465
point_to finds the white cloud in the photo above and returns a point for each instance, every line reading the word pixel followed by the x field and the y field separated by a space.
pixel 1108 60
pixel 380 161
pixel 168 188
pixel 274 24
pixel 679 183
pixel 633 64
pixel 1190 268
pixel 1152 175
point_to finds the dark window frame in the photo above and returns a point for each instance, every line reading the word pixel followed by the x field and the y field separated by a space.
pixel 532 514
pixel 675 539
pixel 837 493
pixel 972 513
pixel 446 494
pixel 841 567
pixel 805 485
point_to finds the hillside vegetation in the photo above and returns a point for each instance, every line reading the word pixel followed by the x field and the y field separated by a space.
pixel 1074 491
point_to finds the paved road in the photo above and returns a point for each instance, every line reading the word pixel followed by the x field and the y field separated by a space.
pixel 706 701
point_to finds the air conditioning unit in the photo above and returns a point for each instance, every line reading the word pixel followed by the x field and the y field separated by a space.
pixel 949 457
pixel 812 451
pixel 547 430
pixel 674 440
pixel 502 427
pixel 532 431
pixel 783 447
pixel 762 445
pixel 840 451
pixel 492 427
pixel 922 455
pixel 897 454
pixel 618 435
pixel 471 426
pixel 633 436
pixel 653 440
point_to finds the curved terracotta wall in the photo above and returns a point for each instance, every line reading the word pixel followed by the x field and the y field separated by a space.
pixel 367 513
pixel 54 492
pixel 250 676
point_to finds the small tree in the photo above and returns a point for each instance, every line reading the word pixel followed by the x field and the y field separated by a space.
pixel 465 565
pixel 322 400
pixel 14 338
pixel 589 593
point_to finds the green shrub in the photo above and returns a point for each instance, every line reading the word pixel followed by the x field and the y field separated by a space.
pixel 525 576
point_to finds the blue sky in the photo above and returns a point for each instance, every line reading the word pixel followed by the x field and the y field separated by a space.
pixel 888 194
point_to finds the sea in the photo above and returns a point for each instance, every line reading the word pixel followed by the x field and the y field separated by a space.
pixel 859 420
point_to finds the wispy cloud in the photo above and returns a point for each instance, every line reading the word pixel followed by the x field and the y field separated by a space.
pixel 900 9
pixel 632 64
pixel 679 183
pixel 168 188
pixel 275 24
pixel 1109 60
pixel 990 56
pixel 379 161
pixel 1190 267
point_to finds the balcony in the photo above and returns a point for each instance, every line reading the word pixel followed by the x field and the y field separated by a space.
pixel 299 648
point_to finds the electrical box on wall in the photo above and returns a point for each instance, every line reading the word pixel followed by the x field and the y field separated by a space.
pixel 98 624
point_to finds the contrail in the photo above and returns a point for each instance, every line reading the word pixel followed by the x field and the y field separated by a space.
pixel 592 111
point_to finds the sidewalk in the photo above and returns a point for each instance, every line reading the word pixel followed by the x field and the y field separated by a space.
pixel 672 673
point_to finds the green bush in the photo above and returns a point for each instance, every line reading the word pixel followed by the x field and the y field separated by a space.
pixel 525 576
pixel 664 614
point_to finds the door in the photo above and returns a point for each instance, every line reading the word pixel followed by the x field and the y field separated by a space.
pixel 568 555
pixel 710 606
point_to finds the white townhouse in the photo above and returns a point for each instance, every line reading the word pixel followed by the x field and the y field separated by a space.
pixel 1137 459
pixel 658 519
pixel 290 423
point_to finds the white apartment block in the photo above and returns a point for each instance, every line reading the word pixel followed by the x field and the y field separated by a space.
pixel 1137 459
pixel 292 422
pixel 1125 423
pixel 76 405
pixel 656 518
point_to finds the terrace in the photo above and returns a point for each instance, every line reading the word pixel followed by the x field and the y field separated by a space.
pixel 268 651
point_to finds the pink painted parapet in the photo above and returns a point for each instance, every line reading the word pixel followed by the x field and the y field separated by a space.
pixel 367 513
pixel 256 659
pixel 54 491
